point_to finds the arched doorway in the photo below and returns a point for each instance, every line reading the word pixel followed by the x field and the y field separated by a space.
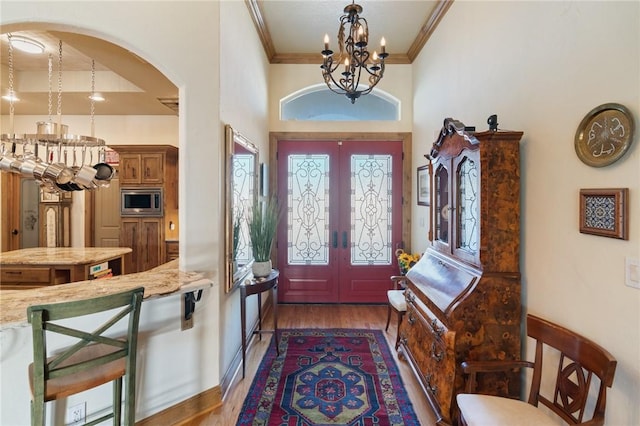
pixel 139 99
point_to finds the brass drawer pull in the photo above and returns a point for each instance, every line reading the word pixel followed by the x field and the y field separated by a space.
pixel 439 331
pixel 437 356
pixel 411 319
pixel 410 297
pixel 433 389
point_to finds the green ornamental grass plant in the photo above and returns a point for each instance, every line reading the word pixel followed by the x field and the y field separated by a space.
pixel 263 222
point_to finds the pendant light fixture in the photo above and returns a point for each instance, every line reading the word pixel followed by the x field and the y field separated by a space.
pixel 355 57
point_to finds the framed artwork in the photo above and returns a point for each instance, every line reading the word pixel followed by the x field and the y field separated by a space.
pixel 424 189
pixel 605 212
pixel 49 197
pixel 55 197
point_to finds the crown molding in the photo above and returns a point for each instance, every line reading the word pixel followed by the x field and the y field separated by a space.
pixel 427 29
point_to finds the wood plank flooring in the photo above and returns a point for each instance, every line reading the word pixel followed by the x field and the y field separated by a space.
pixel 317 316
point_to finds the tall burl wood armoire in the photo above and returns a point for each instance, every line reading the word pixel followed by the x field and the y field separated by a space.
pixel 463 296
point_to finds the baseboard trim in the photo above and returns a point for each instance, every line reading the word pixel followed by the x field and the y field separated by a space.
pixel 184 412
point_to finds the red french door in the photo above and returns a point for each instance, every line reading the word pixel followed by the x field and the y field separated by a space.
pixel 341 220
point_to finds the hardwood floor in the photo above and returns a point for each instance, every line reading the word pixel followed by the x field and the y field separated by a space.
pixel 317 316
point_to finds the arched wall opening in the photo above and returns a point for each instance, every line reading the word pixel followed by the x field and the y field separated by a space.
pixel 134 112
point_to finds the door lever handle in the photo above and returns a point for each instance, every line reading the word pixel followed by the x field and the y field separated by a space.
pixel 335 239
pixel 344 239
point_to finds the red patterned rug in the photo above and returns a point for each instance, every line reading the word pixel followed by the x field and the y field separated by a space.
pixel 328 377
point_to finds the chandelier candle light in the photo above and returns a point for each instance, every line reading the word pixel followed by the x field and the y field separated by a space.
pixel 354 55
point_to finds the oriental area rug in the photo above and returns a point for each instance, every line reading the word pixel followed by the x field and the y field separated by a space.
pixel 328 377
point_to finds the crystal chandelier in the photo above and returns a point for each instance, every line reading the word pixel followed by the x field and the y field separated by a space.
pixel 353 55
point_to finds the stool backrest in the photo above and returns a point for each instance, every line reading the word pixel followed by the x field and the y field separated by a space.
pixel 580 359
pixel 45 320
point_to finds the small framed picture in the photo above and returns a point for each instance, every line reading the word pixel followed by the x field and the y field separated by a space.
pixel 424 188
pixel 605 212
pixel 49 197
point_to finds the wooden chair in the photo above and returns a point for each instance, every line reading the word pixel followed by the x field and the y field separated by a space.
pixel 579 360
pixel 91 359
pixel 397 303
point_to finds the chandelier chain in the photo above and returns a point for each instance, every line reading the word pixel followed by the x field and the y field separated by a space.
pixel 355 56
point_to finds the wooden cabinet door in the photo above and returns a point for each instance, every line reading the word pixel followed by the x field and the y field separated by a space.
pixel 129 237
pixel 152 166
pixel 141 169
pixel 144 236
pixel 130 172
pixel 150 244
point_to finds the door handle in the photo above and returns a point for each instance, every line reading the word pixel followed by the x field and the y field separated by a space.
pixel 344 239
pixel 14 232
pixel 335 239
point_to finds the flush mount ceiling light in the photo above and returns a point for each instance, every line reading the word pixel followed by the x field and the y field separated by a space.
pixel 354 55
pixel 11 97
pixel 26 44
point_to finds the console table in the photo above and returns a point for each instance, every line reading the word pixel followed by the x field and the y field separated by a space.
pixel 258 286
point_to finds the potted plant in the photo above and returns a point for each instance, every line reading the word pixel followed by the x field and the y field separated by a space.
pixel 263 223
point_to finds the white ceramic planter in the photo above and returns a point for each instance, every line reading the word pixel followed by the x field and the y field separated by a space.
pixel 261 269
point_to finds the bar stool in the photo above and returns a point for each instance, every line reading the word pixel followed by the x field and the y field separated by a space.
pixel 397 303
pixel 91 360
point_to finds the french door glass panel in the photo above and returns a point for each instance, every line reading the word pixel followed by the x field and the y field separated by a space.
pixel 371 212
pixel 308 209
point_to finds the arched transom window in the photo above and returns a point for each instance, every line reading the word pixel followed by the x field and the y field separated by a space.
pixel 317 103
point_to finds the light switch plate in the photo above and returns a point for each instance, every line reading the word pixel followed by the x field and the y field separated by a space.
pixel 632 272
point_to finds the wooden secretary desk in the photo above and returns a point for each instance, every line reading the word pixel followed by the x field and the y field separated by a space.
pixel 463 296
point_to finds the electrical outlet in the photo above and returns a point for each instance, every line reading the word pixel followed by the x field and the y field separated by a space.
pixel 632 272
pixel 77 414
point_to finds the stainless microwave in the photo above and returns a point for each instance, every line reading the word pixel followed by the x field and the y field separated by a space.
pixel 142 202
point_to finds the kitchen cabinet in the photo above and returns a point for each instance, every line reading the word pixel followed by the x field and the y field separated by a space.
pixel 149 166
pixel 145 236
pixel 141 169
pixel 463 296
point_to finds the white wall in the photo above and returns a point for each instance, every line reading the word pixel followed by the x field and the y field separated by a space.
pixel 243 105
pixel 191 359
pixel 542 66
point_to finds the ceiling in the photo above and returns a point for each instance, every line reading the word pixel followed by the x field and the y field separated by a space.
pixel 131 86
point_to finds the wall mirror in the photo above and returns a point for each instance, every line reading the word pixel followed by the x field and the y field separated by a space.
pixel 241 195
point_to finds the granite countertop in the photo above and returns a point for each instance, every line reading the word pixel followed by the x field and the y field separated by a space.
pixel 162 280
pixel 61 255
